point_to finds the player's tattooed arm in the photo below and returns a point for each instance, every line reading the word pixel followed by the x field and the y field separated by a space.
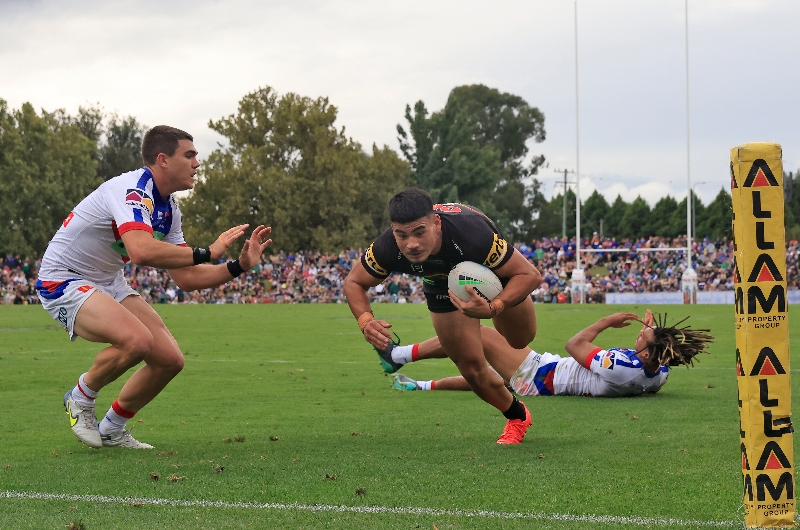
pixel 523 279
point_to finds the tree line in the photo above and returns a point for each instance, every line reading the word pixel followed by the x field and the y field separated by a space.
pixel 286 162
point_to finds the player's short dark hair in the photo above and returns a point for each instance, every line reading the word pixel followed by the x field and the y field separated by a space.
pixel 409 205
pixel 162 139
pixel 673 346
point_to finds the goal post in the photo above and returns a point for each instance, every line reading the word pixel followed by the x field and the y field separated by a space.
pixel 762 335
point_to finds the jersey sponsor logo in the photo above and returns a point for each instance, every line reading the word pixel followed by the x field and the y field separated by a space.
pixel 139 198
pixel 417 268
pixel 498 252
pixel 62 315
pixel 608 361
pixel 369 257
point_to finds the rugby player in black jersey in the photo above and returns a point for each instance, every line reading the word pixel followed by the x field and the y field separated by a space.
pixel 426 240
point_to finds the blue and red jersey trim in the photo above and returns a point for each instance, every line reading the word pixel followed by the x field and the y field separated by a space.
pixel 53 290
pixel 587 363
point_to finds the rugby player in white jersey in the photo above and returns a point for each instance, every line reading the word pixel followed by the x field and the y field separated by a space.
pixel 132 217
pixel 428 241
pixel 589 370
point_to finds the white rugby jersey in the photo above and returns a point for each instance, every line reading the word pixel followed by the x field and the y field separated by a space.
pixel 88 244
pixel 608 373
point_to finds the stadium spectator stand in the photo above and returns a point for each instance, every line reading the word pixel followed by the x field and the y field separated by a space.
pixel 314 277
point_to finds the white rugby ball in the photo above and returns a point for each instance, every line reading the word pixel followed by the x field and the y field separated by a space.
pixel 482 279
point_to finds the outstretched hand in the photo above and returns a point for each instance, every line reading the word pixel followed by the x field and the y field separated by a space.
pixel 649 320
pixel 621 320
pixel 476 307
pixel 225 240
pixel 254 247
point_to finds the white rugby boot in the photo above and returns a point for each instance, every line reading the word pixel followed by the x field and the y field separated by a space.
pixel 83 421
pixel 123 439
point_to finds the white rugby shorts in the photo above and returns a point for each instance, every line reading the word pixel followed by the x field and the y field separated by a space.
pixel 63 299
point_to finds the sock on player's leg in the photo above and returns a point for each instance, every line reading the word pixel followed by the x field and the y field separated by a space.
pixel 516 411
pixel 115 420
pixel 426 385
pixel 82 393
pixel 405 354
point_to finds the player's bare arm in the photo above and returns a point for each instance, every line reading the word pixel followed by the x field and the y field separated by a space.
pixel 206 276
pixel 523 279
pixel 580 346
pixel 356 285
pixel 144 249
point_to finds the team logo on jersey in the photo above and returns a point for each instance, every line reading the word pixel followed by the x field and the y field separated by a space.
pixel 608 361
pixel 369 257
pixel 140 199
pixel 498 252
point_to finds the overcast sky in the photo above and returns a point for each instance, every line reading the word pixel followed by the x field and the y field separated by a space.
pixel 182 63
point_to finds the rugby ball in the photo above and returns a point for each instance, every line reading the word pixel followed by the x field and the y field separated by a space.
pixel 482 279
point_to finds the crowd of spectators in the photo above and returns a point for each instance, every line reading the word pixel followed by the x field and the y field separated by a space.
pixel 645 265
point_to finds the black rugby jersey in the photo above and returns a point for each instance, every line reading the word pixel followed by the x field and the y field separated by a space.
pixel 467 235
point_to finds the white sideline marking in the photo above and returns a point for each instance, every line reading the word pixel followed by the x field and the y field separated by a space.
pixel 641 521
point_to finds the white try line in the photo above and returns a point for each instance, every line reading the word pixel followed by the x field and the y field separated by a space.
pixel 140 501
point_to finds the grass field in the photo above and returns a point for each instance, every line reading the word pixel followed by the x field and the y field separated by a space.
pixel 282 418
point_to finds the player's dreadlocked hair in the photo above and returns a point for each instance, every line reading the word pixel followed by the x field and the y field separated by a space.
pixel 673 346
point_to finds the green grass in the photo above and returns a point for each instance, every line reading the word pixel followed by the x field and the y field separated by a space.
pixel 292 403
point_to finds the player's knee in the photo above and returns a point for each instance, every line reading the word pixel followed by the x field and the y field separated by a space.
pixel 136 347
pixel 472 370
pixel 522 340
pixel 173 363
pixel 167 360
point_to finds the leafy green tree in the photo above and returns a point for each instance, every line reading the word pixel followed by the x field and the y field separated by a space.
pixel 678 221
pixel 613 222
pixel 90 121
pixel 632 224
pixel 717 217
pixel 476 151
pixel 551 217
pixel 593 212
pixel 658 223
pixel 46 168
pixel 288 166
pixel 122 150
pixel 548 223
pixel 118 139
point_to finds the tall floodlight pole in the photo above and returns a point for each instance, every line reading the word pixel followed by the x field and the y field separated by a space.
pixel 689 278
pixel 578 276
pixel 689 198
pixel 577 158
